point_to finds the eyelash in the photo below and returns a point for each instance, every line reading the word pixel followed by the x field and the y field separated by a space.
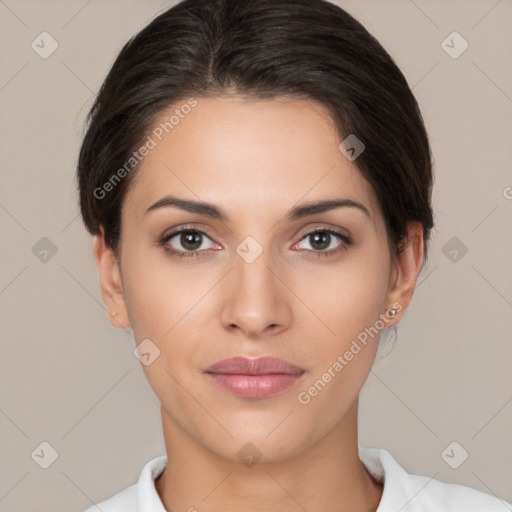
pixel 346 242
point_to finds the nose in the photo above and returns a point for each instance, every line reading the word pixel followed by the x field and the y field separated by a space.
pixel 257 299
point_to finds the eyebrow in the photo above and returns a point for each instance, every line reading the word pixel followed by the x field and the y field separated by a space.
pixel 298 212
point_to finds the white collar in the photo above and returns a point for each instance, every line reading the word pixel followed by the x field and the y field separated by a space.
pixel 402 491
pixel 377 461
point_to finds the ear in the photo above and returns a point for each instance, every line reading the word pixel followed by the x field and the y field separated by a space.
pixel 110 281
pixel 406 267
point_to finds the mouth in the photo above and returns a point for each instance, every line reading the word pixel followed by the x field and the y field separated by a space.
pixel 254 378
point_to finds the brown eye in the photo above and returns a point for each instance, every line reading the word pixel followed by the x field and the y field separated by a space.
pixel 190 240
pixel 323 242
pixel 186 243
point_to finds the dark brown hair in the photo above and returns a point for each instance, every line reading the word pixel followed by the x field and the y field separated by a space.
pixel 263 49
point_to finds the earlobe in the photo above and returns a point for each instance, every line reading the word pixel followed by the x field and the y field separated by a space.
pixel 110 282
pixel 407 268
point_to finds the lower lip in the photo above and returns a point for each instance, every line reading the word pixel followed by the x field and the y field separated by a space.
pixel 255 386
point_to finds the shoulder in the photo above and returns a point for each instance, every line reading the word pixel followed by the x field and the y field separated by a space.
pixel 415 493
pixel 139 497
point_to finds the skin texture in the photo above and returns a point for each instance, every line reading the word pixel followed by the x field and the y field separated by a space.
pixel 255 160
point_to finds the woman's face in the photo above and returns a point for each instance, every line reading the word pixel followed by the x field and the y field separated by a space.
pixel 250 279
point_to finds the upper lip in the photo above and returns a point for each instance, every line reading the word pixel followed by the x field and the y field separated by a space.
pixel 266 365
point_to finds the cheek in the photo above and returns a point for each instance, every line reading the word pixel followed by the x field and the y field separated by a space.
pixel 158 293
pixel 171 308
pixel 162 306
pixel 350 296
pixel 348 301
pixel 163 296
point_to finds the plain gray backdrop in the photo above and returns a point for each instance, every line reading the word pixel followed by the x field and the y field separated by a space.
pixel 70 380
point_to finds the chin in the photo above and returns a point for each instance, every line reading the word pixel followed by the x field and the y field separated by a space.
pixel 262 444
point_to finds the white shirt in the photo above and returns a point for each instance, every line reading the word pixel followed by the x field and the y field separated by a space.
pixel 402 492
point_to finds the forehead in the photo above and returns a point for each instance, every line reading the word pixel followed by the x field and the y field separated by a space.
pixel 246 155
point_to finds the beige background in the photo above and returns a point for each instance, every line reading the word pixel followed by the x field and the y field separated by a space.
pixel 70 379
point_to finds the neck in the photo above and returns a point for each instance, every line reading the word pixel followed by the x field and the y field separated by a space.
pixel 327 476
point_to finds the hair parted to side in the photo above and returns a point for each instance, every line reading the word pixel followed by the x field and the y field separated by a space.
pixel 309 49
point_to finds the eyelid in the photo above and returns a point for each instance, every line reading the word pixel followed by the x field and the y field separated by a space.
pixel 345 238
pixel 345 241
pixel 309 231
pixel 185 227
pixel 165 239
pixel 327 228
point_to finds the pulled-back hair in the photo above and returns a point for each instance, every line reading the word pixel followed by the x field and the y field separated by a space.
pixel 261 49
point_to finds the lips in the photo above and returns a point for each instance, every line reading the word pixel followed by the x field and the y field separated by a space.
pixel 254 378
pixel 249 366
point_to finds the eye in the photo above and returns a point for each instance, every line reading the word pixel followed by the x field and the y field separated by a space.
pixel 192 242
pixel 186 243
pixel 322 239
